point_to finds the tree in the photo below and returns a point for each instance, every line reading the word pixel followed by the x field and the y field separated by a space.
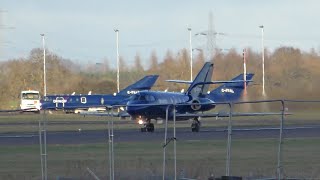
pixel 137 64
pixel 153 62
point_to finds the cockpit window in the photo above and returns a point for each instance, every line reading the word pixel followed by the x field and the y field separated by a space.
pixel 142 98
pixel 139 97
pixel 134 97
pixel 150 98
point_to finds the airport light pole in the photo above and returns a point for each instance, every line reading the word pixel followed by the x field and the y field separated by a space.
pixel 43 124
pixel 244 54
pixel 118 71
pixel 44 66
pixel 262 46
pixel 190 41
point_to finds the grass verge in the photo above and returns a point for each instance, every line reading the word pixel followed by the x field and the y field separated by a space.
pixel 138 160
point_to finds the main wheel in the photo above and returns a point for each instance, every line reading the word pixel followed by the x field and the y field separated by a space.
pixel 144 129
pixel 195 127
pixel 150 127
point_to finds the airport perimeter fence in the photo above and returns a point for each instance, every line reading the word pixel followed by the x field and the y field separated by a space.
pixel 279 142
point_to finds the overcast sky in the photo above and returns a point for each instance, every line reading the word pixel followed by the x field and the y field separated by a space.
pixel 84 30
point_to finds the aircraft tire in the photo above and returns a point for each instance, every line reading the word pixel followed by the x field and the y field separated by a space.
pixel 150 127
pixel 144 129
pixel 195 127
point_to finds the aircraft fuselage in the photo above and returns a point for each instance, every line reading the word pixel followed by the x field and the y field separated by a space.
pixel 153 105
pixel 82 101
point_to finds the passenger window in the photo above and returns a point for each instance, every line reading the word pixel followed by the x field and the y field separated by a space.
pixel 83 100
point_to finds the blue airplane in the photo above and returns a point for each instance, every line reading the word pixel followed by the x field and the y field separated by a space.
pixel 147 105
pixel 78 101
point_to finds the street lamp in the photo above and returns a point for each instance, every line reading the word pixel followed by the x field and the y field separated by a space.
pixel 44 66
pixel 262 46
pixel 189 29
pixel 117 34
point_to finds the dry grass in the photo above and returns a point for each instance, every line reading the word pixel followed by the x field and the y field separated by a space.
pixel 195 159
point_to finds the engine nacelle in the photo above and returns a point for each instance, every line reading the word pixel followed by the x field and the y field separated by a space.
pixel 195 105
pixel 202 104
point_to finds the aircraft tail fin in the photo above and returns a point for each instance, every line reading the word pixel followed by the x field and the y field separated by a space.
pixel 231 91
pixel 143 84
pixel 197 87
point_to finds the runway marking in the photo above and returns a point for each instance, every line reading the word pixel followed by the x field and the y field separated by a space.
pixel 262 129
pixel 18 136
pixel 276 128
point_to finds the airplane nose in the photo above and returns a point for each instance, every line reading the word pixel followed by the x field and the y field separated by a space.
pixel 130 109
pixel 133 108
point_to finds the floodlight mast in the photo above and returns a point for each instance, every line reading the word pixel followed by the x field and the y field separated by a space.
pixel 190 41
pixel 44 66
pixel 118 71
pixel 244 54
pixel 262 46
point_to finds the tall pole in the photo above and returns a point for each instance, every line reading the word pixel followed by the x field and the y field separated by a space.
pixel 44 66
pixel 244 71
pixel 262 46
pixel 190 41
pixel 118 71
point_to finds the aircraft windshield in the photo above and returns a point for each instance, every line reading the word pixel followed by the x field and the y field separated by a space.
pixel 30 96
pixel 150 98
pixel 138 97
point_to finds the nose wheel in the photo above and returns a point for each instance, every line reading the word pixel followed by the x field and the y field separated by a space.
pixel 148 127
pixel 195 126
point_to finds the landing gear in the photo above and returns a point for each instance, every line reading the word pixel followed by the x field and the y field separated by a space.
pixel 195 126
pixel 148 127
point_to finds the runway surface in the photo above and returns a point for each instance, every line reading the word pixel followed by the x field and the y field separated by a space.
pixel 134 135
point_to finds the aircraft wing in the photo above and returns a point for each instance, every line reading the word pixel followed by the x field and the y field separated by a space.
pixel 111 114
pixel 50 105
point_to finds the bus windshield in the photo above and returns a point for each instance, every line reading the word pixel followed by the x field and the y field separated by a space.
pixel 30 96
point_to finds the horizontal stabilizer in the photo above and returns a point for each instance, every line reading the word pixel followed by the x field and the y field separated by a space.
pixel 212 82
pixel 180 81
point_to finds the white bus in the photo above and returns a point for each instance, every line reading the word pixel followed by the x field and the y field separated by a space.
pixel 30 101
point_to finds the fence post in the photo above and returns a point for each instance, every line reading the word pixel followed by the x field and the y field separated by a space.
pixel 43 145
pixel 279 168
pixel 112 149
pixel 109 145
pixel 165 143
pixel 228 169
pixel 110 139
pixel 174 142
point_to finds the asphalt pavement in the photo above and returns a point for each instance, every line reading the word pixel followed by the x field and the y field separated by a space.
pixel 134 135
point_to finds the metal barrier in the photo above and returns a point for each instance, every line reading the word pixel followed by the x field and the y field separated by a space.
pixel 172 107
